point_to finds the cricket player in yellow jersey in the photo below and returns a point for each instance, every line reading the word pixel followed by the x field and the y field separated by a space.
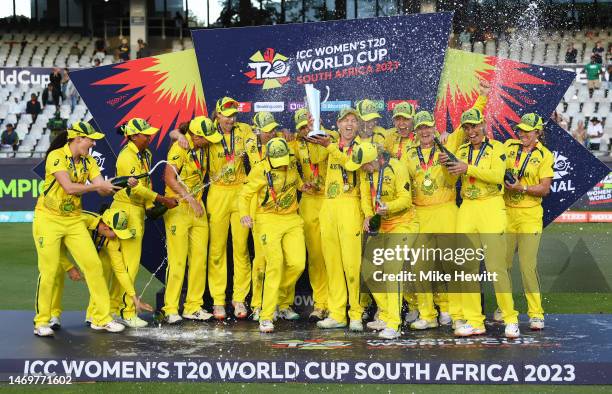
pixel 369 130
pixel 275 183
pixel 401 137
pixel 133 160
pixel 58 290
pixel 482 219
pixel 227 174
pixel 106 231
pixel 187 224
pixel 341 222
pixel 57 221
pixel 531 165
pixel 385 191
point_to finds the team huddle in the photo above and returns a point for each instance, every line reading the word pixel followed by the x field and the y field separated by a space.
pixel 308 201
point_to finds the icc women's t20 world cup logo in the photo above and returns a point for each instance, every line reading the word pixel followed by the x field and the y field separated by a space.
pixel 270 69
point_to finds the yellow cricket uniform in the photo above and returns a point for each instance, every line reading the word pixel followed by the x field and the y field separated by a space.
pixel 186 234
pixel 397 145
pixel 524 214
pixel 394 191
pixel 378 137
pixel 58 291
pixel 278 227
pixel 57 221
pixel 227 174
pixel 482 219
pixel 133 201
pixel 341 220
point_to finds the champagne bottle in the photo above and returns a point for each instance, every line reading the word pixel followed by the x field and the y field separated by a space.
pixel 451 158
pixel 375 222
pixel 156 211
pixel 508 177
pixel 122 181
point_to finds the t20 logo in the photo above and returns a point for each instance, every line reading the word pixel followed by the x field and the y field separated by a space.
pixel 269 69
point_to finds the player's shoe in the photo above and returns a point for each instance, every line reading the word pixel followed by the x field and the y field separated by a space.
pixel 255 314
pixel 328 322
pixel 536 323
pixel 376 325
pixel 240 310
pixel 199 315
pixel 389 333
pixel 134 322
pixel 173 318
pixel 219 312
pixel 365 315
pixel 288 314
pixel 356 325
pixel 266 326
pixel 445 319
pixel 497 316
pixel 458 323
pixel 316 315
pixel 111 326
pixel 55 323
pixel 43 331
pixel 88 321
pixel 512 331
pixel 423 324
pixel 467 330
pixel 411 317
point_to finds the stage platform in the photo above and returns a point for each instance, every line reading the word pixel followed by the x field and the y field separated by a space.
pixel 573 349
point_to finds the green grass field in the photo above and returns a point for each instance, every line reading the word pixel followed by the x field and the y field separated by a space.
pixel 18 283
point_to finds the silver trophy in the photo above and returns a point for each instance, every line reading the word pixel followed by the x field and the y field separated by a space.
pixel 313 102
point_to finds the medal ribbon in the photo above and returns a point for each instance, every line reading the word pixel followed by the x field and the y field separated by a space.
pixel 342 170
pixel 314 168
pixel 521 172
pixel 271 186
pixel 376 193
pixel 425 166
pixel 198 163
pixel 229 154
pixel 145 162
pixel 258 146
pixel 480 154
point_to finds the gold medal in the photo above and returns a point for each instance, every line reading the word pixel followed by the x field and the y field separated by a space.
pixel 346 187
pixel 427 182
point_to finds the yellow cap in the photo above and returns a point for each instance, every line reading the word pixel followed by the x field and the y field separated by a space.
pixel 301 118
pixel 117 220
pixel 472 116
pixel 84 129
pixel 277 151
pixel 531 122
pixel 423 118
pixel 227 106
pixel 264 121
pixel 347 111
pixel 203 127
pixel 367 110
pixel 138 126
pixel 403 109
pixel 363 154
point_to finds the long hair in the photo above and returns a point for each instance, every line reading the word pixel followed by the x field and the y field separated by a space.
pixel 60 140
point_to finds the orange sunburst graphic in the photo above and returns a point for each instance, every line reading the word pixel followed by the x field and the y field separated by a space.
pixel 166 90
pixel 510 91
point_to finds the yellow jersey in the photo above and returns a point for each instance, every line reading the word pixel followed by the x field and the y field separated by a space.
pixel 486 167
pixel 131 162
pixel 431 183
pixel 398 146
pixel 191 165
pixel 529 168
pixel 54 198
pixel 226 158
pixel 338 181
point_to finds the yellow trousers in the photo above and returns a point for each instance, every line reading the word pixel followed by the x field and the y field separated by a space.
pixel 222 208
pixel 341 222
pixel 258 271
pixel 49 232
pixel 390 302
pixel 187 239
pixel 524 232
pixel 437 219
pixel 310 207
pixel 58 291
pixel 131 250
pixel 282 241
pixel 483 224
pixel 107 274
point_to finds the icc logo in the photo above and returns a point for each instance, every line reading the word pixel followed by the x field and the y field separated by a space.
pixel 99 159
pixel 562 168
pixel 269 69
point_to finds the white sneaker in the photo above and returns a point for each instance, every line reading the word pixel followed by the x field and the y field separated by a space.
pixel 445 319
pixel 328 322
pixel 497 316
pixel 356 325
pixel 255 314
pixel 219 312
pixel 458 323
pixel 240 310
pixel 55 323
pixel 376 325
pixel 111 326
pixel 536 323
pixel 512 331
pixel 173 318
pixel 134 322
pixel 411 317
pixel 43 331
pixel 266 326
pixel 423 324
pixel 467 330
pixel 316 315
pixel 200 315
pixel 288 314
pixel 389 333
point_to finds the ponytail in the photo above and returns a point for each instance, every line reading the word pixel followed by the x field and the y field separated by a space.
pixel 60 140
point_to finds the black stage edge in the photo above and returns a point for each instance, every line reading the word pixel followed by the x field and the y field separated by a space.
pixel 573 349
